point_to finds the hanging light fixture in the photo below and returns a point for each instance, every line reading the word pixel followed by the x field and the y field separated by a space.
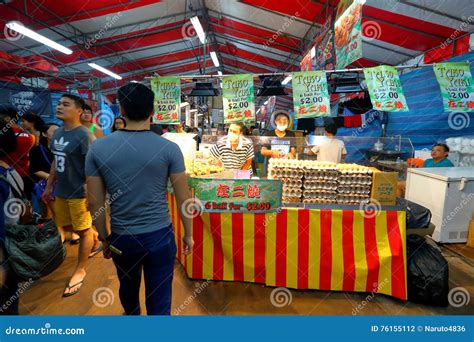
pixel 105 71
pixel 271 87
pixel 18 27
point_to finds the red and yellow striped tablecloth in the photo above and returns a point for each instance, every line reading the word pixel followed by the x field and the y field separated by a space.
pixel 340 250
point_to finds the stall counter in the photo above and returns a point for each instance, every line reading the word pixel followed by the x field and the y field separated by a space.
pixel 321 249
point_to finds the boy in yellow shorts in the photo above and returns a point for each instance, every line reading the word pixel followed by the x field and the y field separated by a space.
pixel 67 177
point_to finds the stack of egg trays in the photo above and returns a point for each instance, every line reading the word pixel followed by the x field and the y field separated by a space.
pixel 354 187
pixel 320 185
pixel 292 180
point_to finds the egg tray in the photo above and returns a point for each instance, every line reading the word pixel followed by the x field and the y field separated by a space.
pixel 287 173
pixel 352 202
pixel 352 197
pixel 287 199
pixel 332 196
pixel 292 182
pixel 292 193
pixel 323 174
pixel 354 190
pixel 318 200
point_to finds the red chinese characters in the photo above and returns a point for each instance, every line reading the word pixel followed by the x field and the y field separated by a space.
pixel 223 191
pixel 253 191
pixel 238 191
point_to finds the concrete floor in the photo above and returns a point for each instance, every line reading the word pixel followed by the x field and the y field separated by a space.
pixel 99 294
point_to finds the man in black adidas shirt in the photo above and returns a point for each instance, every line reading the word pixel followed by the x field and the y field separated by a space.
pixel 234 152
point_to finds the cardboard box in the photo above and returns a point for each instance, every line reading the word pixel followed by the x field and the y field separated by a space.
pixel 384 187
pixel 470 234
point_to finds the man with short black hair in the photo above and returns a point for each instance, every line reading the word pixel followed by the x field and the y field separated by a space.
pixel 331 150
pixel 234 152
pixel 142 236
pixel 87 121
pixel 440 153
pixel 67 177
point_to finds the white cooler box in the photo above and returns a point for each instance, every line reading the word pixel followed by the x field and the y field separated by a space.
pixel 449 193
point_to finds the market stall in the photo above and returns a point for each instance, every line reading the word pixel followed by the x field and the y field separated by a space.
pixel 310 225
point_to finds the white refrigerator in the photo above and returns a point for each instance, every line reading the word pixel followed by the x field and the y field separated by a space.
pixel 449 193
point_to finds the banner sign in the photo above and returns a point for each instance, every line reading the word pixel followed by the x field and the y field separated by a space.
pixel 456 83
pixel 310 94
pixel 306 62
pixel 237 195
pixel 238 99
pixel 167 99
pixel 385 89
pixel 348 35
pixel 324 59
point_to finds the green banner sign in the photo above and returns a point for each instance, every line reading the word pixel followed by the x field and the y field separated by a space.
pixel 237 195
pixel 310 94
pixel 457 88
pixel 348 35
pixel 385 89
pixel 167 99
pixel 238 99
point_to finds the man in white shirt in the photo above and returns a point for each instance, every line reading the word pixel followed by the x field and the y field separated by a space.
pixel 332 149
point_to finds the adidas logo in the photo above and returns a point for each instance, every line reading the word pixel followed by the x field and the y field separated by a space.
pixel 60 144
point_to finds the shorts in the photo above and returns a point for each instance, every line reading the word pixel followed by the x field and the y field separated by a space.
pixel 72 212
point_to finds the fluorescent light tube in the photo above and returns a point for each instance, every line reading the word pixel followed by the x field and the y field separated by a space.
pixel 18 27
pixel 286 80
pixel 198 28
pixel 105 71
pixel 214 58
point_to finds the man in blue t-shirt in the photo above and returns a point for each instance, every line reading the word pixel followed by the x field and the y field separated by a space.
pixel 439 152
pixel 133 166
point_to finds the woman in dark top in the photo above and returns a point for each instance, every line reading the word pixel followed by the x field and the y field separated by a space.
pixel 40 162
pixel 119 123
pixel 8 279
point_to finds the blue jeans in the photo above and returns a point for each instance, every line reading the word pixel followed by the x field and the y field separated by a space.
pixel 154 253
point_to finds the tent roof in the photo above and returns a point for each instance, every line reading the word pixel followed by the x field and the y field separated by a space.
pixel 139 38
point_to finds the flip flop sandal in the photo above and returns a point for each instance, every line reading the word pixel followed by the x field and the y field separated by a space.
pixel 77 285
pixel 96 251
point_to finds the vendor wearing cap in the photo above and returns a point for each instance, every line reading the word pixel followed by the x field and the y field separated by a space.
pixel 234 152
pixel 280 148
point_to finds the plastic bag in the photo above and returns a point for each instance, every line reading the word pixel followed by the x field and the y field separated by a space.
pixel 417 215
pixel 428 273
